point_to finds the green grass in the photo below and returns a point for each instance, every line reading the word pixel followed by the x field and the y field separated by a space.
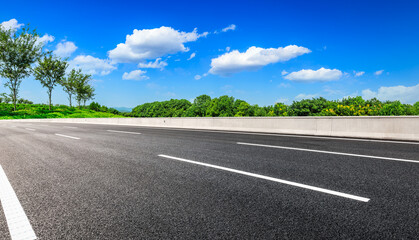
pixel 31 111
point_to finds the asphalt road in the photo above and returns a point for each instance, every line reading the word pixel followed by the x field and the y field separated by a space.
pixel 82 181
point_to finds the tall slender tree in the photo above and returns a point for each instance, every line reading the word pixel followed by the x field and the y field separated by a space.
pixel 69 83
pixel 82 88
pixel 88 94
pixel 18 51
pixel 50 72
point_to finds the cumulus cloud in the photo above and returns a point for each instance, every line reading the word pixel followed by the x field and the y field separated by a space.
pixel 231 27
pixel 158 63
pixel 11 24
pixel 253 59
pixel 65 49
pixel 379 72
pixel 45 39
pixel 192 56
pixel 92 65
pixel 358 74
pixel 320 75
pixel 402 93
pixel 136 75
pixel 152 43
pixel 228 49
pixel 283 73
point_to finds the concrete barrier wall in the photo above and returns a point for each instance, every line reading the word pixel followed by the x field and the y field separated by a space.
pixel 388 127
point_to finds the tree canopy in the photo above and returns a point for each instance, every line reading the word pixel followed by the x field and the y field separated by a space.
pixel 18 51
pixel 50 72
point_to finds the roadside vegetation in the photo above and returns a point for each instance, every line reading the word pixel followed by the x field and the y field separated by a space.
pixel 226 106
pixel 31 111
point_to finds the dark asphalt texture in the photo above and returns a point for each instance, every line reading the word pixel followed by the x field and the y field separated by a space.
pixel 110 185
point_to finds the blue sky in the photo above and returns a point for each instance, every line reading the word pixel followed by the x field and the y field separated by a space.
pixel 259 51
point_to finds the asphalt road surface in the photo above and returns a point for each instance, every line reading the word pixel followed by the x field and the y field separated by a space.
pixel 84 181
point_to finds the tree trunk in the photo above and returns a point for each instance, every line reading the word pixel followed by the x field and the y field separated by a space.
pixel 49 96
pixel 69 97
pixel 14 98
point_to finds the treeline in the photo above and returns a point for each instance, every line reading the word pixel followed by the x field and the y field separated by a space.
pixel 22 55
pixel 226 106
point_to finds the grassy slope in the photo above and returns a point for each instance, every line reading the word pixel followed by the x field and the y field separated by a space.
pixel 42 111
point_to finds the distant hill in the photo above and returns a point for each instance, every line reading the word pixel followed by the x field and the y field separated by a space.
pixel 123 109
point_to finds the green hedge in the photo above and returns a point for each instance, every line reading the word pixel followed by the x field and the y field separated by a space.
pixel 42 111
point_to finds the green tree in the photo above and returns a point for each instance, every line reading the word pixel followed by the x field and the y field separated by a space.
pixel 88 94
pixel 82 88
pixel 309 107
pixel 392 109
pixel 201 103
pixel 280 109
pixel 18 51
pixel 242 109
pixel 69 83
pixel 50 72
pixel 95 106
pixel 416 107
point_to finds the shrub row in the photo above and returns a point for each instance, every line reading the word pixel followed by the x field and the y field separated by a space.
pixel 226 106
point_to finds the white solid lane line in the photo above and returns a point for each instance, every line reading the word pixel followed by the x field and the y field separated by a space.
pixel 69 127
pixel 61 135
pixel 30 129
pixel 17 221
pixel 115 131
pixel 323 190
pixel 328 152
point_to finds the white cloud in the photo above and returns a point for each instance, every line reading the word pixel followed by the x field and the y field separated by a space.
pixel 320 75
pixel 92 65
pixel 192 56
pixel 197 77
pixel 156 64
pixel 152 43
pixel 137 75
pixel 358 74
pixel 379 72
pixel 228 49
pixel 253 59
pixel 65 49
pixel 302 96
pixel 45 39
pixel 402 93
pixel 231 27
pixel 284 85
pixel 11 24
pixel 284 72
